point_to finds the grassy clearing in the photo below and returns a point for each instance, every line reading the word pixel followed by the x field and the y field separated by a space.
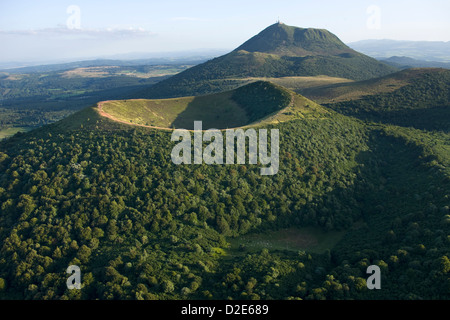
pixel 8 132
pixel 292 239
pixel 90 72
pixel 110 71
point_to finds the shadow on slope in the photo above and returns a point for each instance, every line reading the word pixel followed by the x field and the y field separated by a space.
pixel 401 196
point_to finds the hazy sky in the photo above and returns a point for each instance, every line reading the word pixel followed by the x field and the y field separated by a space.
pixel 46 30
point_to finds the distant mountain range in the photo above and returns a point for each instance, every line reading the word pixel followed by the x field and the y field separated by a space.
pixel 104 62
pixel 122 60
pixel 277 51
pixel 421 50
pixel 407 63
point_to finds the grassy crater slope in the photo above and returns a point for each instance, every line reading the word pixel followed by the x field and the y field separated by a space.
pixel 260 101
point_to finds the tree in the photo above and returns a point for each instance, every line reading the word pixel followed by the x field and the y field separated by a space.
pixel 2 284
pixel 223 226
pixel 84 253
pixel 445 264
pixel 168 286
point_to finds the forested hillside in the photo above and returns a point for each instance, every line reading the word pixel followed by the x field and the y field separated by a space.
pixel 106 197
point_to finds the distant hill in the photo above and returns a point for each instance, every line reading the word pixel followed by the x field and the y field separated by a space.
pixel 101 63
pixel 284 40
pixel 349 91
pixel 413 98
pixel 277 51
pixel 406 63
pixel 421 50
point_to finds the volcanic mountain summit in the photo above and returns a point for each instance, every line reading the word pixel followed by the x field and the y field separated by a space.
pixel 284 40
pixel 277 51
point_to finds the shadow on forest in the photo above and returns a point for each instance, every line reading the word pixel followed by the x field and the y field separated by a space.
pixel 437 118
pixel 391 181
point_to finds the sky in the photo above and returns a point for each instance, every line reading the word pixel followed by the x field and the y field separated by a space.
pixel 77 29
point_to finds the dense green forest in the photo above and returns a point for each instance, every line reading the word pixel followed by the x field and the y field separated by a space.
pixel 106 197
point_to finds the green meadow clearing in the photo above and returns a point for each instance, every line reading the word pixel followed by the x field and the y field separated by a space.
pixel 309 239
pixel 8 132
